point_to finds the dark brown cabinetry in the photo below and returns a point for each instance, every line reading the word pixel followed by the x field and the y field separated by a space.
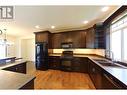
pixel 99 39
pixel 90 38
pixel 79 64
pixel 56 40
pixel 54 62
pixel 76 37
pixel 20 68
pixel 93 37
pixel 29 85
pixel 108 82
pixel 43 36
pixel 95 73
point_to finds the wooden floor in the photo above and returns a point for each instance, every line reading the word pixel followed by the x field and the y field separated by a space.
pixel 55 79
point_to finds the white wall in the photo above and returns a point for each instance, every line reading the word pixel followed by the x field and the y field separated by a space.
pixel 30 43
pixel 28 49
pixel 21 48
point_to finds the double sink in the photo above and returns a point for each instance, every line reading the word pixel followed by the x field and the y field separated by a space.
pixel 108 63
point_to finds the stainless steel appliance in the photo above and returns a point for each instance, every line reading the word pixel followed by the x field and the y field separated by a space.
pixel 66 45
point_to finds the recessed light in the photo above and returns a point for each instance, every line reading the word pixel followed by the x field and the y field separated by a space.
pixel 104 9
pixel 37 26
pixel 85 22
pixel 52 27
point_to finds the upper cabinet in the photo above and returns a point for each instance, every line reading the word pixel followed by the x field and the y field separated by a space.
pixel 93 37
pixel 43 36
pixel 76 37
pixel 56 40
pixel 99 37
pixel 90 37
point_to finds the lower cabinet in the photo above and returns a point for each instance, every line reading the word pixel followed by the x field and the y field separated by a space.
pixel 54 62
pixel 28 85
pixel 100 78
pixel 80 64
pixel 108 82
pixel 95 74
pixel 20 68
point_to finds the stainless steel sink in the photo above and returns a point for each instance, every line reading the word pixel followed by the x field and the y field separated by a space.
pixel 108 63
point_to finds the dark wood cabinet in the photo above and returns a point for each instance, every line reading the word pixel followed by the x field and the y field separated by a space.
pixel 79 64
pixel 90 38
pixel 20 68
pixel 56 40
pixel 28 85
pixel 93 37
pixel 54 62
pixel 108 82
pixel 76 37
pixel 99 39
pixel 95 74
pixel 43 36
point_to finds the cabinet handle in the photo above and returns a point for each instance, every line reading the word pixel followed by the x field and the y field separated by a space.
pixel 93 69
pixel 16 69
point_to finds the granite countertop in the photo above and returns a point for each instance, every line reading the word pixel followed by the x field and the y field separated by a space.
pixel 9 64
pixel 11 57
pixel 13 80
pixel 119 73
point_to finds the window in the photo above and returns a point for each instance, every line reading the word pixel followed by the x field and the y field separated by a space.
pixel 116 44
pixel 125 44
pixel 118 35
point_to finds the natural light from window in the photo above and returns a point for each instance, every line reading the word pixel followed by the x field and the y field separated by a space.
pixel 118 41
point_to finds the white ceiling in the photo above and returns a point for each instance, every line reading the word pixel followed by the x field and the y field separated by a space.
pixel 62 17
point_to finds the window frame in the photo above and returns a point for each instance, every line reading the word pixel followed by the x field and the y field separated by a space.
pixel 122 34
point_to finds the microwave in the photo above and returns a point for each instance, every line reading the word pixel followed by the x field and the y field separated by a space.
pixel 66 45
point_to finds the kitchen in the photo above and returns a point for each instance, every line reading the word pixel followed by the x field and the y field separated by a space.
pixel 66 55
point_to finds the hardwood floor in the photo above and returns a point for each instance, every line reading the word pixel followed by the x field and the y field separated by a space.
pixel 55 79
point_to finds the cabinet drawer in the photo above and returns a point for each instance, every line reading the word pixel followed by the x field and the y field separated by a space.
pixel 20 68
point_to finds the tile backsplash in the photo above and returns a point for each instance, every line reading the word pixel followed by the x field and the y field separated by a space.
pixel 82 51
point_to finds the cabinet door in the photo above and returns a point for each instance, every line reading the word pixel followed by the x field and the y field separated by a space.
pixel 90 38
pixel 56 40
pixel 41 37
pixel 109 83
pixel 54 62
pixel 76 64
pixel 80 64
pixel 29 85
pixel 65 37
pixel 95 74
pixel 99 37
pixel 20 68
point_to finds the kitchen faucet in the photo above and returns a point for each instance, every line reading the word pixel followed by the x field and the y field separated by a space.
pixel 110 55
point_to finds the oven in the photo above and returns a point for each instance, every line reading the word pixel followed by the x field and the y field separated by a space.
pixel 66 60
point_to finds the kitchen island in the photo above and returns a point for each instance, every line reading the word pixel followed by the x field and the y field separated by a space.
pixel 13 75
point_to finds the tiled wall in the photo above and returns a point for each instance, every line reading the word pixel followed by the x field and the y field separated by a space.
pixel 82 51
